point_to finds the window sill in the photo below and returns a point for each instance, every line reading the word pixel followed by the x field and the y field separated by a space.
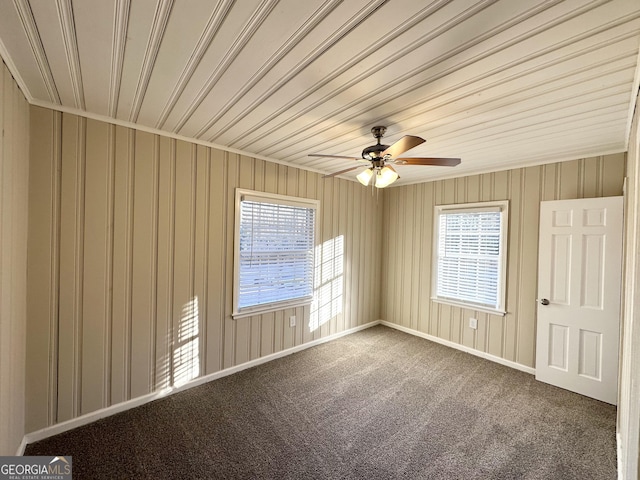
pixel 470 306
pixel 260 310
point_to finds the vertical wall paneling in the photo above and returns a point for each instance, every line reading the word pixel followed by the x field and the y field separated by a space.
pixel 336 313
pixel 217 255
pixel 569 179
pixel 501 188
pixel 416 252
pixel 613 168
pixel 19 274
pixel 201 249
pixel 406 246
pixel 141 279
pixel 306 326
pixel 71 266
pixel 121 295
pixel 510 326
pixel 304 311
pixel 164 284
pixel 527 283
pixel 268 331
pixel 94 270
pixel 424 259
pixel 255 321
pixel 326 236
pixel 512 336
pixel 185 341
pixel 229 323
pixel 14 183
pixel 108 293
pixel 242 326
pixel 347 202
pixel 143 272
pixel 44 184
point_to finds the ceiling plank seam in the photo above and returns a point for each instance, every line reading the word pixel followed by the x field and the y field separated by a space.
pixel 160 20
pixel 211 30
pixel 343 30
pixel 119 39
pixel 334 115
pixel 587 72
pixel 23 8
pixel 67 24
pixel 425 107
pixel 433 33
pixel 535 110
pixel 259 16
pixel 285 48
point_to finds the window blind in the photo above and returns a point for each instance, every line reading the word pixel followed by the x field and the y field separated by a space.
pixel 469 257
pixel 275 252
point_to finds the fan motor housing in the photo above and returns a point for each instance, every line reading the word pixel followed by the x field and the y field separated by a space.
pixel 373 152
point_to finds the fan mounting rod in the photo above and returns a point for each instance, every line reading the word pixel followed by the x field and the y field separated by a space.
pixel 373 153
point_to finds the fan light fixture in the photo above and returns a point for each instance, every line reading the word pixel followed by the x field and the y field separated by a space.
pixel 386 177
pixel 383 177
pixel 365 177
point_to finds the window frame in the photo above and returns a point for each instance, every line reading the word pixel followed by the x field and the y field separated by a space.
pixel 274 199
pixel 503 207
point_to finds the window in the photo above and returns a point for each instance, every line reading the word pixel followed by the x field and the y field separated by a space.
pixel 274 246
pixel 470 255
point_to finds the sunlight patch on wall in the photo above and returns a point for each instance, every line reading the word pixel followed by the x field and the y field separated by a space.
pixel 328 282
pixel 186 354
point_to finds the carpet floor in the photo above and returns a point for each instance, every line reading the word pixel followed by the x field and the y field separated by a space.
pixel 377 404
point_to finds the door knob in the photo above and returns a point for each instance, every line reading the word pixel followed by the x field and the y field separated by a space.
pixel 544 301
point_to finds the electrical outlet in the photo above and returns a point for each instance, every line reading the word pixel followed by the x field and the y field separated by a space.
pixel 473 323
pixel 292 321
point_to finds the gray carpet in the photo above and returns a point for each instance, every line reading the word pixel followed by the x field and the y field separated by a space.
pixel 378 404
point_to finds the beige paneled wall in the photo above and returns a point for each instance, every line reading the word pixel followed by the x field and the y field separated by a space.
pixel 14 178
pixel 408 235
pixel 131 248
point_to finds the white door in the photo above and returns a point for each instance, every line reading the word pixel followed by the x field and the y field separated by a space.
pixel 579 288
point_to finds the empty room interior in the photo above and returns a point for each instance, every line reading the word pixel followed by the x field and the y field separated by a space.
pixel 321 239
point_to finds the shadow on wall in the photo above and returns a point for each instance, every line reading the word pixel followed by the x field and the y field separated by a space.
pixel 328 282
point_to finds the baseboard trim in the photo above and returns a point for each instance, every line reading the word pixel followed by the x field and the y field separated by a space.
pixel 87 418
pixel 21 447
pixel 457 346
pixel 136 402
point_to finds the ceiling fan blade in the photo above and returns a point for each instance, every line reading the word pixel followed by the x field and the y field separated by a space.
pixel 332 156
pixel 405 143
pixel 441 162
pixel 341 171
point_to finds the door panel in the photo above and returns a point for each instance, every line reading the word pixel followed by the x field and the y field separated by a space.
pixel 579 273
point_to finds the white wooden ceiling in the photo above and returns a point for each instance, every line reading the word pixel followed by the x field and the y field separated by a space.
pixel 498 83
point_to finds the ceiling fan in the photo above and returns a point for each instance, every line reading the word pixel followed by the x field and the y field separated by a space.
pixel 381 156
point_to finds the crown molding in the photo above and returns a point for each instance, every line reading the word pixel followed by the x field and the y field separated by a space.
pixel 156 131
